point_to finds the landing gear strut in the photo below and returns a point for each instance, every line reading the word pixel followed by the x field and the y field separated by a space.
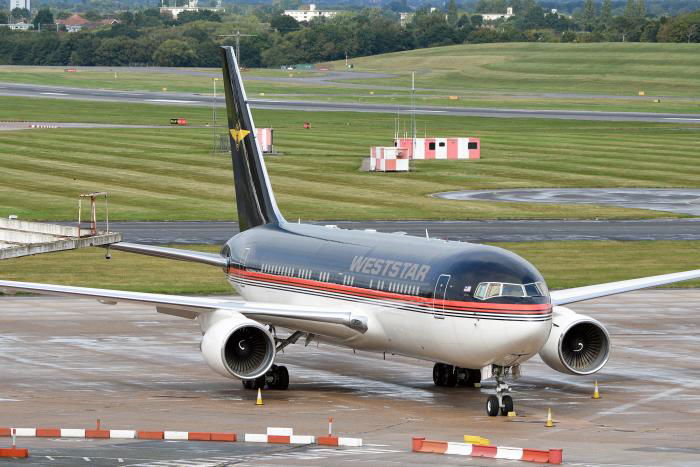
pixel 450 376
pixel 277 377
pixel 501 402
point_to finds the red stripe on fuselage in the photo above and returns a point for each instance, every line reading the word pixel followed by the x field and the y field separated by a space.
pixel 531 309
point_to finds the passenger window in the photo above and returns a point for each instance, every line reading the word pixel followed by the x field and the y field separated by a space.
pixel 431 146
pixel 442 145
pixel 471 145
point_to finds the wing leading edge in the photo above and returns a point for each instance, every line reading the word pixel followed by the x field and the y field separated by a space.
pixel 190 307
pixel 579 294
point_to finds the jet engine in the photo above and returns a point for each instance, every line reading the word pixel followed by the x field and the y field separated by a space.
pixel 238 347
pixel 577 344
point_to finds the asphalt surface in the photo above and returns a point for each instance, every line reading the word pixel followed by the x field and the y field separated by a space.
pixel 12 126
pixel 188 99
pixel 216 233
pixel 66 362
pixel 679 200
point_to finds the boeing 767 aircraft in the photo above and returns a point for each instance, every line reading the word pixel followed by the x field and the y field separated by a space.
pixel 476 310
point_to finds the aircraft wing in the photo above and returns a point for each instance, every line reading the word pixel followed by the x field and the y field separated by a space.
pixel 579 294
pixel 171 253
pixel 190 307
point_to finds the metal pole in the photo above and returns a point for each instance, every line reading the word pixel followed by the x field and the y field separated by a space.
pixel 238 47
pixel 213 120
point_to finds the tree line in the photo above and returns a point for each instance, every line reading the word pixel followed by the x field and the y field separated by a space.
pixel 148 38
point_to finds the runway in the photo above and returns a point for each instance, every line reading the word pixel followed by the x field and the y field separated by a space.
pixel 66 362
pixel 216 233
pixel 188 99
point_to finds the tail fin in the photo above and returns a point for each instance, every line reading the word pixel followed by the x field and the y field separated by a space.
pixel 254 198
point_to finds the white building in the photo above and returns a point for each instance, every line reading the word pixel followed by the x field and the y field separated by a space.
pixel 20 4
pixel 495 16
pixel 311 13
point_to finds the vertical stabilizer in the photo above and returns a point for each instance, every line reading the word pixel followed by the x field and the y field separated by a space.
pixel 254 198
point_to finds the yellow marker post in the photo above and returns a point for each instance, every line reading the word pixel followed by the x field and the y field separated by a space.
pixel 550 422
pixel 259 401
pixel 596 394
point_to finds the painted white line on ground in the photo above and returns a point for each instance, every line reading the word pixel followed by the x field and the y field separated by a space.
pixel 50 458
pixel 54 93
pixel 176 101
pixel 86 459
pixel 684 119
pixel 626 407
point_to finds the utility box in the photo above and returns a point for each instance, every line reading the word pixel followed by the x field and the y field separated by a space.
pixel 388 159
pixel 264 137
pixel 440 148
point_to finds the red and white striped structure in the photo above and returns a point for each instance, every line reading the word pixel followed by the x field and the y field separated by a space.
pixel 440 148
pixel 118 434
pixel 277 435
pixel 552 456
pixel 264 138
pixel 388 159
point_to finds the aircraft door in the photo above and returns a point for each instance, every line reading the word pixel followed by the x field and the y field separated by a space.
pixel 439 296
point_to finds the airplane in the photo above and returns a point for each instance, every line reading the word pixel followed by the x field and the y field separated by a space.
pixel 478 311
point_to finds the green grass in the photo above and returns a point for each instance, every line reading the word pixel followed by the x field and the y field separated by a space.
pixel 599 68
pixel 564 264
pixel 170 174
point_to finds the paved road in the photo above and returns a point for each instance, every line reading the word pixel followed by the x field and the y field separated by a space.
pixel 217 233
pixel 680 200
pixel 66 362
pixel 188 99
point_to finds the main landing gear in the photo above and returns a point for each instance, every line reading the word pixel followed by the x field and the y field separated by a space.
pixel 451 376
pixel 277 377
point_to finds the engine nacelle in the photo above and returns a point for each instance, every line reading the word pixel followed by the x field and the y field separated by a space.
pixel 577 344
pixel 238 347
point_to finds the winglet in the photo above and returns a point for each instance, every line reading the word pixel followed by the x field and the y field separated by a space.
pixel 254 197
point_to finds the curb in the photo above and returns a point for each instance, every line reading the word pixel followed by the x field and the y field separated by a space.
pixel 118 434
pixel 552 456
pixel 14 452
pixel 277 435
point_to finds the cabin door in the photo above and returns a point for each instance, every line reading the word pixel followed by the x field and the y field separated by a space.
pixel 439 296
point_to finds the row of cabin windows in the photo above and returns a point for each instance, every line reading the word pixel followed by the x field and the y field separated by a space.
pixel 387 286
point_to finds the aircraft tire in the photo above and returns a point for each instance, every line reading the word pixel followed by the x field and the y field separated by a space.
pixel 283 381
pixel 492 407
pixel 507 405
pixel 437 373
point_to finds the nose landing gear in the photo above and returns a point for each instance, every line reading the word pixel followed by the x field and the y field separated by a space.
pixel 501 402
pixel 451 376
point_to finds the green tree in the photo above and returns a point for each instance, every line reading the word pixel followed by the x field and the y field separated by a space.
pixel 641 9
pixel 43 19
pixel 631 9
pixel 20 14
pixel 588 15
pixel 606 12
pixel 174 52
pixel 4 18
pixel 452 13
pixel 284 24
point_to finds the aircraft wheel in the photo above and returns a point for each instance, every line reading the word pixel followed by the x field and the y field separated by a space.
pixel 247 383
pixel 507 405
pixel 437 372
pixel 257 383
pixel 474 377
pixel 450 376
pixel 492 407
pixel 279 377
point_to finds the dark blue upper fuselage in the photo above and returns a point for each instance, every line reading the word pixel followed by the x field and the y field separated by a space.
pixel 379 261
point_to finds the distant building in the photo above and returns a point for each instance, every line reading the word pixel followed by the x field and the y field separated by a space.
pixel 18 26
pixel 175 11
pixel 311 13
pixel 75 23
pixel 405 18
pixel 496 16
pixel 20 4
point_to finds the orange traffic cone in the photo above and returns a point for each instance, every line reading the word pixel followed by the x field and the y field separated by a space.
pixel 259 401
pixel 596 394
pixel 549 423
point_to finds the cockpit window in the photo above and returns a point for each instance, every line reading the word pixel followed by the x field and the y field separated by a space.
pixel 486 290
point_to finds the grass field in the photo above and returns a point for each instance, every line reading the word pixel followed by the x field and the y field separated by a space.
pixel 598 68
pixel 170 174
pixel 564 264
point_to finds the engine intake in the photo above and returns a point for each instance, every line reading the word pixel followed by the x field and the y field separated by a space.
pixel 238 347
pixel 577 344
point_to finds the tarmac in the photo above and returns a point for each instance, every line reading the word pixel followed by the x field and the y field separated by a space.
pixel 66 362
pixel 678 200
pixel 194 99
pixel 218 232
